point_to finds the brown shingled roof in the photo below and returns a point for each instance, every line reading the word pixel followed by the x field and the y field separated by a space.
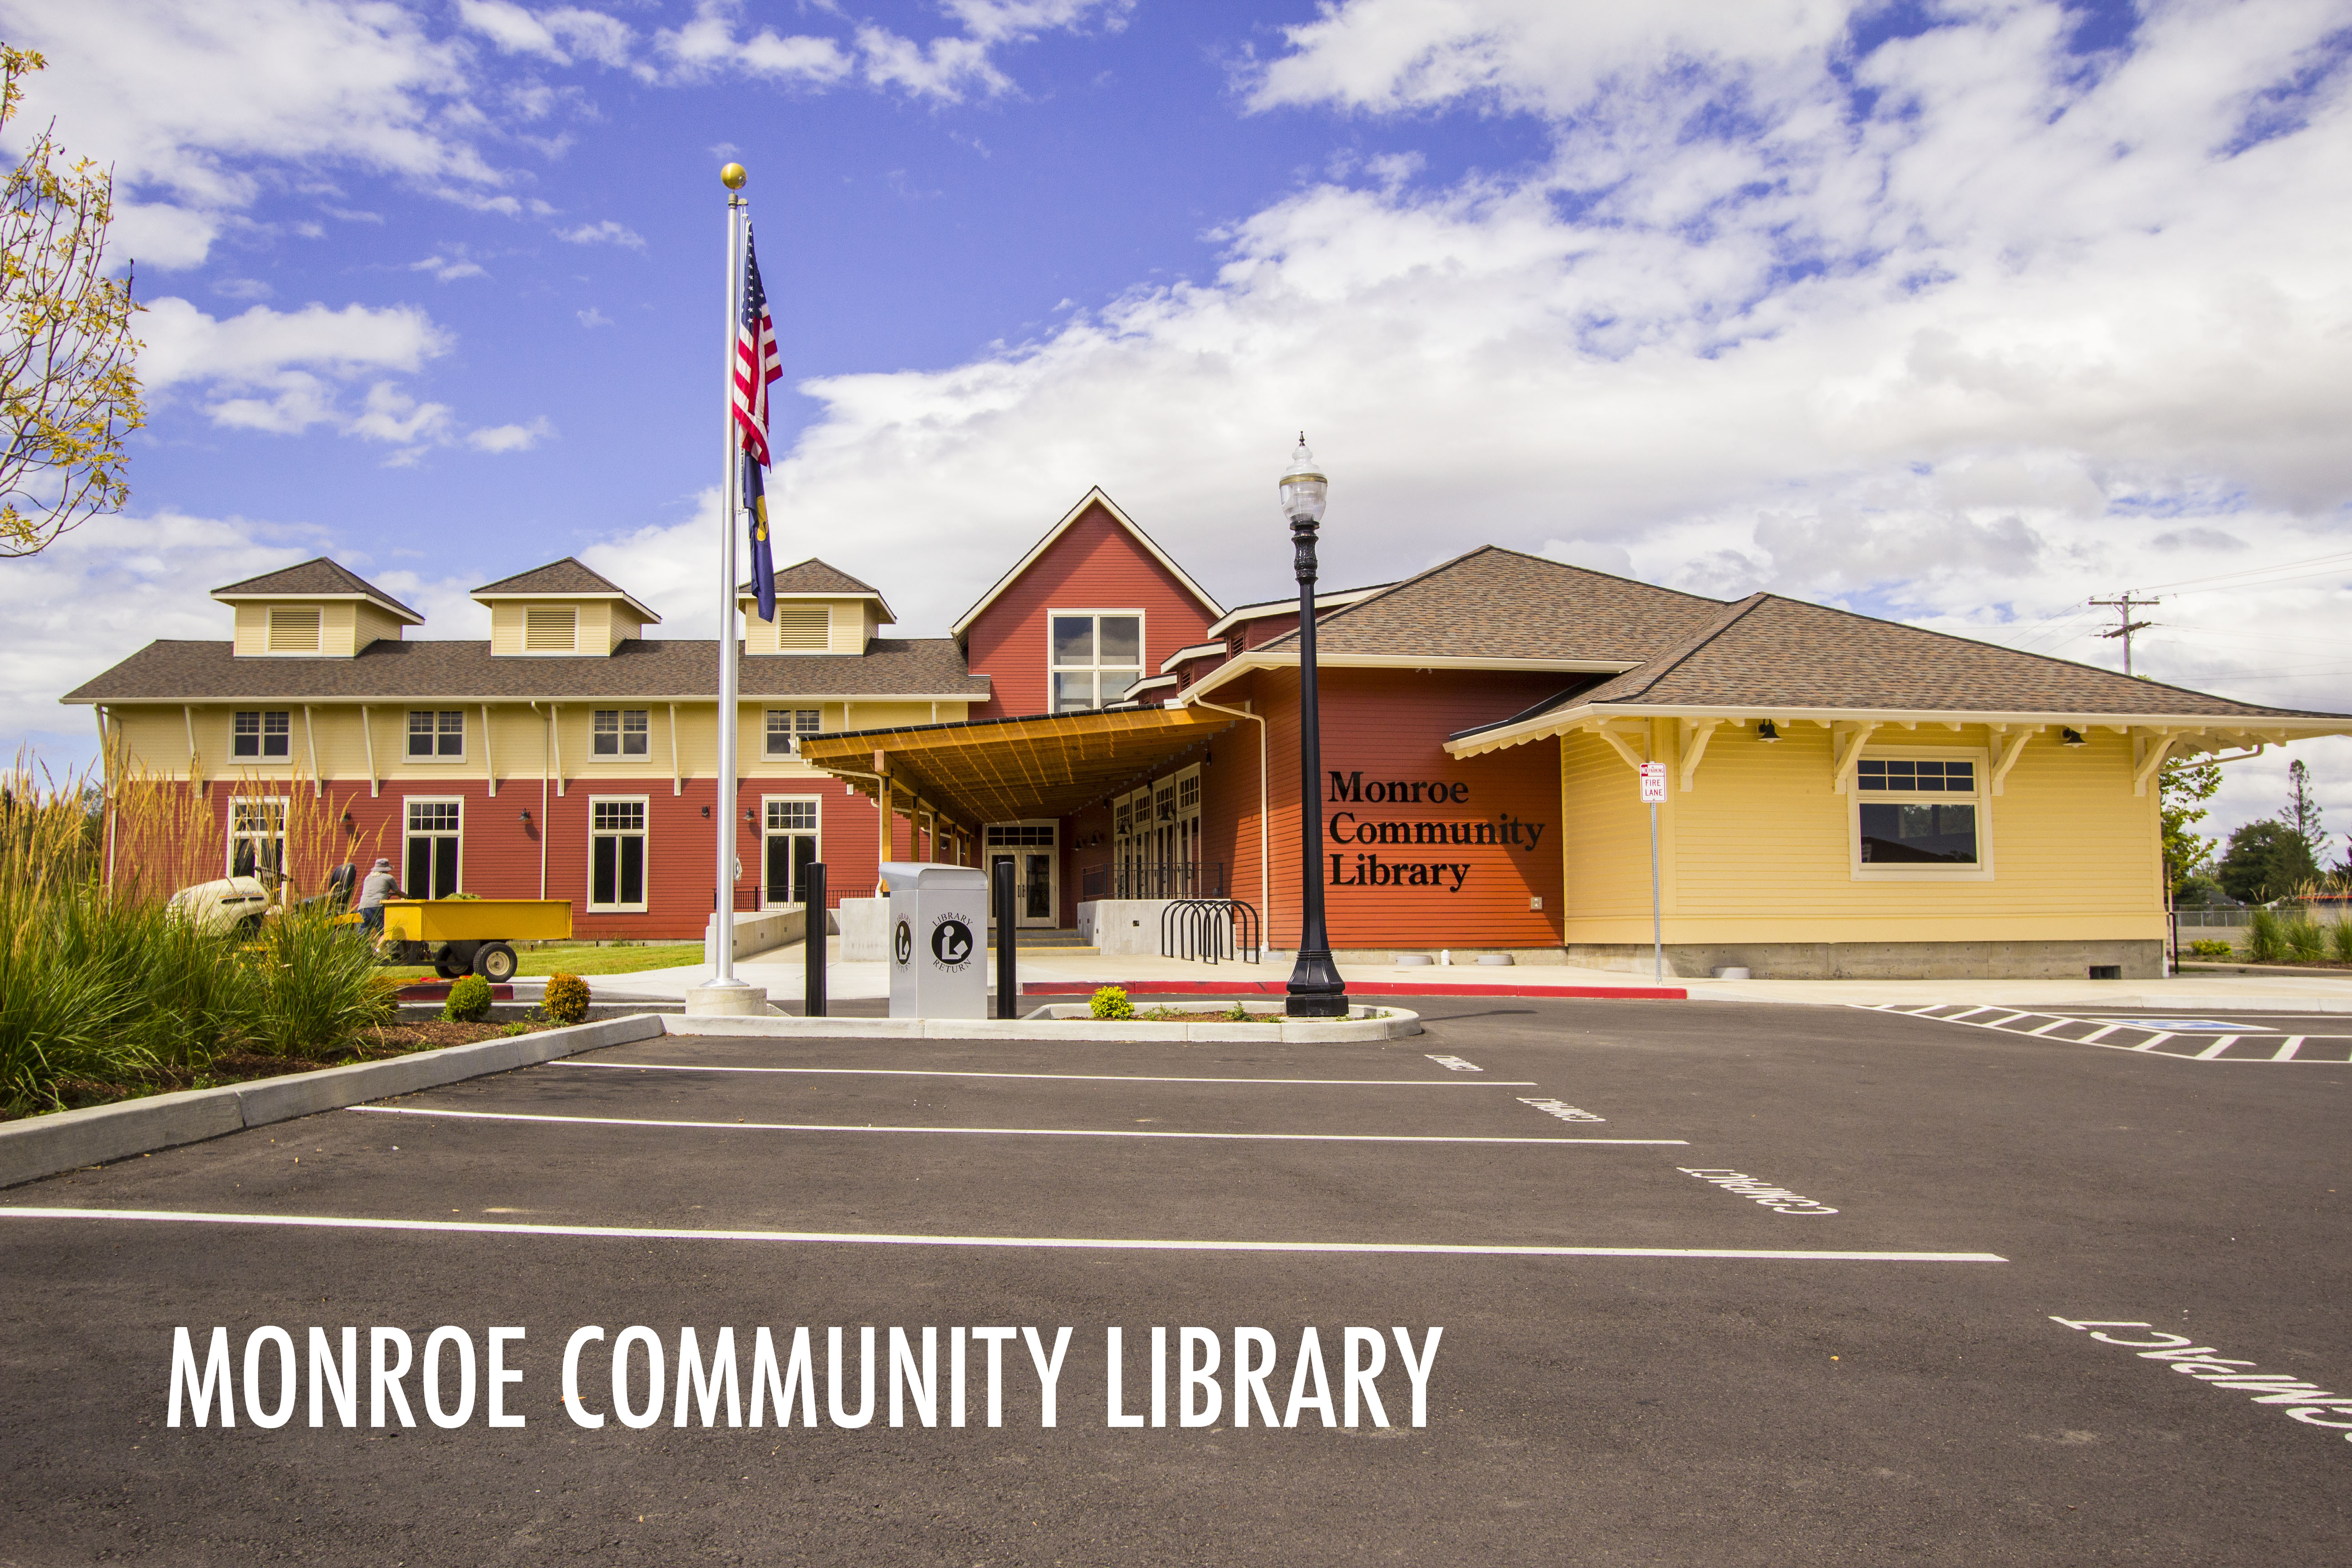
pixel 815 578
pixel 1767 652
pixel 1501 605
pixel 683 669
pixel 317 578
pixel 568 578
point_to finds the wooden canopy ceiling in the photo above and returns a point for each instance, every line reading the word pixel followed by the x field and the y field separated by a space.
pixel 1008 770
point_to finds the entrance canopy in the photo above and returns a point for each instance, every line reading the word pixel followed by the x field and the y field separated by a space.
pixel 1009 770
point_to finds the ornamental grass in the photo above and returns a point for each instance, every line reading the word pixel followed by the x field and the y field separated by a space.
pixel 102 991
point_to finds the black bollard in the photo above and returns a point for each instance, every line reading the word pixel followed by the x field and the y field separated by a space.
pixel 813 948
pixel 1008 979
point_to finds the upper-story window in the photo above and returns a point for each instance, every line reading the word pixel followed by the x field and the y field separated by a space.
pixel 787 725
pixel 1094 657
pixel 293 630
pixel 550 628
pixel 621 732
pixel 436 734
pixel 262 735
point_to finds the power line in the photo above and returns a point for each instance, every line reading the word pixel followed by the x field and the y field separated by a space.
pixel 2123 607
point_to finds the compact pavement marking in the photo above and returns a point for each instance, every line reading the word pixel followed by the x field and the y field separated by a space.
pixel 991 1132
pixel 2211 1037
pixel 1058 1077
pixel 1099 1244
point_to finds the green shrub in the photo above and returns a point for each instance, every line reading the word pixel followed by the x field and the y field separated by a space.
pixel 2339 937
pixel 469 1001
pixel 566 1001
pixel 2211 947
pixel 511 1030
pixel 2304 939
pixel 1110 1002
pixel 2265 942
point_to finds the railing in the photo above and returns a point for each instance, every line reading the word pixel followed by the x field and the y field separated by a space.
pixel 1208 929
pixel 1176 879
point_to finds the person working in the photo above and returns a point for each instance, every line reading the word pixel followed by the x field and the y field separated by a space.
pixel 379 886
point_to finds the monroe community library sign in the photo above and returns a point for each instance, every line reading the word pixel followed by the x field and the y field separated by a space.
pixel 1368 868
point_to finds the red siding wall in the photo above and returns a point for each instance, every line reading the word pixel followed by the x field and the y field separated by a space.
pixel 499 854
pixel 1391 725
pixel 1096 564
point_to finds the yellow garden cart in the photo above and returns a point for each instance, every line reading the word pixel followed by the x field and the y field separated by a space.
pixel 460 936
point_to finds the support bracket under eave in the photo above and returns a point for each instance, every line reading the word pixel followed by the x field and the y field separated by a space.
pixel 2150 751
pixel 2012 748
pixel 1616 740
pixel 1849 754
pixel 1696 733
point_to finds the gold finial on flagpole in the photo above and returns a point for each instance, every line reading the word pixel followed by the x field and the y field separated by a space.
pixel 732 176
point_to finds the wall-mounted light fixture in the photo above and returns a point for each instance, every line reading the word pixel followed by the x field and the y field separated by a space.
pixel 1767 730
pixel 349 826
pixel 2071 737
pixel 525 818
pixel 706 811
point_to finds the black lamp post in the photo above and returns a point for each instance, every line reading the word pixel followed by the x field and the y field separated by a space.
pixel 1315 989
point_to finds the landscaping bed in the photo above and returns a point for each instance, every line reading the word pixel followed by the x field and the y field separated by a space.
pixel 374 1043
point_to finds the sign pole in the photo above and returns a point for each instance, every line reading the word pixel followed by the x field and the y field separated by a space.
pixel 1653 792
pixel 724 907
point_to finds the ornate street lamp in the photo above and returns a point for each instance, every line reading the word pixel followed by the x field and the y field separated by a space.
pixel 1315 989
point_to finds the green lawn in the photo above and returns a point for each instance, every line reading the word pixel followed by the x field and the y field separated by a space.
pixel 582 960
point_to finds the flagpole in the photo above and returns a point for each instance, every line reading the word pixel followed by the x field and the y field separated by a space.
pixel 722 992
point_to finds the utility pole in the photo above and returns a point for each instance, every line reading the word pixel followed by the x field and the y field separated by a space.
pixel 2123 608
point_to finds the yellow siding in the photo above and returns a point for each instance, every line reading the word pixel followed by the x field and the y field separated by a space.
pixel 252 635
pixel 506 629
pixel 1759 850
pixel 373 625
pixel 851 621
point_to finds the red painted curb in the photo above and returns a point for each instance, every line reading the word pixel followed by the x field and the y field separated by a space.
pixel 1402 988
pixel 438 991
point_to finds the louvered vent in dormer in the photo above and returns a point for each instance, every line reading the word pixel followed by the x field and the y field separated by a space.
pixel 293 630
pixel 552 629
pixel 806 628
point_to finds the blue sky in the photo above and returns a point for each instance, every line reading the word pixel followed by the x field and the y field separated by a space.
pixel 1957 311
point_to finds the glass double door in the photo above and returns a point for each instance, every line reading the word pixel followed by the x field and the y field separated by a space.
pixel 1030 848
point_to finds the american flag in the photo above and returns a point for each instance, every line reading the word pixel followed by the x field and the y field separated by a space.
pixel 756 360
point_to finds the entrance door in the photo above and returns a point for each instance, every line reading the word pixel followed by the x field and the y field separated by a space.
pixel 435 827
pixel 1036 869
pixel 791 847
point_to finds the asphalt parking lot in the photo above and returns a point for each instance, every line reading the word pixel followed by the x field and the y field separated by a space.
pixel 1718 1284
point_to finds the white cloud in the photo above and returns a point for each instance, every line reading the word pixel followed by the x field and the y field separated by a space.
pixel 393 415
pixel 592 318
pixel 609 232
pixel 510 438
pixel 1997 331
pixel 944 69
pixel 448 269
pixel 181 99
pixel 561 35
pixel 184 345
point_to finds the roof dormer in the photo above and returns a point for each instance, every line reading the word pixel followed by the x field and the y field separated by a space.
pixel 316 610
pixel 561 609
pixel 819 609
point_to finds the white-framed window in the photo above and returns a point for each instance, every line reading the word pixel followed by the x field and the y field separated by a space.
pixel 804 628
pixel 787 725
pixel 262 736
pixel 293 629
pixel 435 834
pixel 617 853
pixel 793 841
pixel 436 734
pixel 1092 655
pixel 550 628
pixel 1921 813
pixel 257 836
pixel 621 732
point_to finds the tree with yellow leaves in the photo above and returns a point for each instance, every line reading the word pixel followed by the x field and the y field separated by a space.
pixel 69 385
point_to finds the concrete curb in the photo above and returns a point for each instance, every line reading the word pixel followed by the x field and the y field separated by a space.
pixel 67 1139
pixel 1397 1025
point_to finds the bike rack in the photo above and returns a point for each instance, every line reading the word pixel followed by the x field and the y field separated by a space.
pixel 1208 929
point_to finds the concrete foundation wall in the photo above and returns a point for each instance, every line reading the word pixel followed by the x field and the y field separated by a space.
pixel 1128 926
pixel 865 930
pixel 1883 959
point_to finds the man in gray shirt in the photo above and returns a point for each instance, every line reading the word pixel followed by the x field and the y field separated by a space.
pixel 379 886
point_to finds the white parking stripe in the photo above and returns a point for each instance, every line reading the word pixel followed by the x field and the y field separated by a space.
pixel 2151 1042
pixel 2053 1023
pixel 1059 1076
pixel 2217 1048
pixel 1108 1244
pixel 993 1131
pixel 2285 1053
pixel 2100 1033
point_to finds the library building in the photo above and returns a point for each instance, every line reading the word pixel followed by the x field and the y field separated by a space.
pixel 1845 796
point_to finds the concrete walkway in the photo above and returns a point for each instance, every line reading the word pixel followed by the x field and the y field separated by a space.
pixel 780 972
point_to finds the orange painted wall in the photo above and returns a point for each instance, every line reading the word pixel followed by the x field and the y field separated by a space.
pixel 1391 725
